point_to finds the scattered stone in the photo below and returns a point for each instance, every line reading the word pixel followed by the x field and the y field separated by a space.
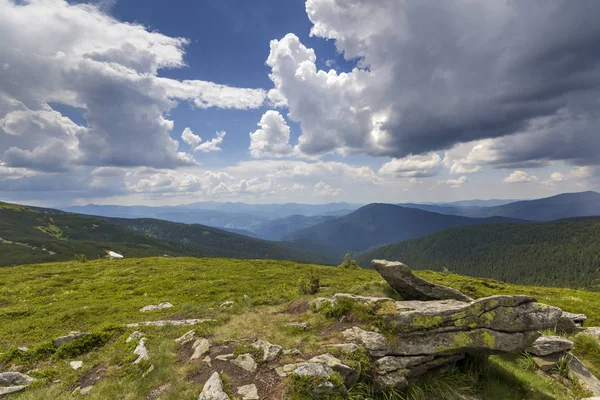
pixel 227 304
pixel 581 372
pixel 86 390
pixel 411 287
pixel 349 374
pixel 141 351
pixel 169 322
pixel 546 345
pixel 319 302
pixel 245 362
pixel 76 365
pixel 393 363
pixel 187 337
pixel 343 347
pixel 546 363
pixel 23 349
pixel 12 382
pixel 374 342
pixel 207 360
pixel 134 336
pixel 200 347
pixel 213 389
pixel 270 351
pixel 148 371
pixel 312 369
pixel 294 352
pixel 68 338
pixel 280 372
pixel 594 332
pixel 153 307
pixel 248 392
pixel 303 326
pixel 224 357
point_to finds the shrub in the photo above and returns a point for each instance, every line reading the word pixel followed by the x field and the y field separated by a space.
pixel 349 263
pixel 309 283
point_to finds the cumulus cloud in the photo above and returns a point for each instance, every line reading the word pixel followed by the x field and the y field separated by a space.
pixel 79 56
pixel 430 76
pixel 322 189
pixel 412 166
pixel 190 138
pixel 273 137
pixel 213 144
pixel 520 177
pixel 456 182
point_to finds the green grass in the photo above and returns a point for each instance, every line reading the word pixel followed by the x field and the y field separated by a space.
pixel 41 302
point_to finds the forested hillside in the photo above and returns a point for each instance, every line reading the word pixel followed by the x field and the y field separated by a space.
pixel 561 253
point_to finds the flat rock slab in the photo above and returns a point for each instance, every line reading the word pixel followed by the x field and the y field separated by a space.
pixel 546 345
pixel 270 351
pixel 410 286
pixel 153 307
pixel 213 389
pixel 169 322
pixel 584 375
pixel 245 362
pixel 248 392
pixel 68 338
pixel 141 351
pixel 200 346
pixel 12 382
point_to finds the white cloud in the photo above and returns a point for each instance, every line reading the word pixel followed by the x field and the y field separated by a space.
pixel 79 56
pixel 558 177
pixel 190 138
pixel 273 137
pixel 456 182
pixel 419 166
pixel 520 177
pixel 322 189
pixel 213 144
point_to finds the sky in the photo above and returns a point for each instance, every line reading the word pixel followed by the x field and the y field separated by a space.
pixel 160 102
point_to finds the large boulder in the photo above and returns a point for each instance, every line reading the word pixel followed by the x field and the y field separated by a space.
pixel 570 323
pixel 394 372
pixel 410 286
pixel 12 382
pixel 546 345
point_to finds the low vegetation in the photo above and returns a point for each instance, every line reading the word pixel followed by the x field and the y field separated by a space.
pixel 41 302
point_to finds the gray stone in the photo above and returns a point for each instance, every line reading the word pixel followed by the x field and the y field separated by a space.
pixel 294 352
pixel 594 332
pixel 207 360
pixel 141 351
pixel 546 345
pixel 245 362
pixel 134 335
pixel 280 372
pixel 169 322
pixel 68 338
pixel 153 307
pixel 410 286
pixel 349 374
pixel 312 369
pixel 578 319
pixel 270 351
pixel 200 346
pixel 224 357
pixel 370 300
pixel 581 372
pixel 227 304
pixel 186 337
pixel 374 342
pixel 86 390
pixel 248 392
pixel 323 388
pixel 298 325
pixel 12 382
pixel 213 389
pixel 76 365
pixel 344 347
pixel 546 363
pixel 319 302
pixel 398 378
pixel 394 363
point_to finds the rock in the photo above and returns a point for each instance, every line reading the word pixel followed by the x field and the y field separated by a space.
pixel 594 332
pixel 213 389
pixel 12 382
pixel 578 319
pixel 581 372
pixel 570 323
pixel 349 374
pixel 207 360
pixel 186 337
pixel 319 302
pixel 86 390
pixel 200 347
pixel 248 392
pixel 410 286
pixel 270 351
pixel 294 352
pixel 323 388
pixel 303 326
pixel 150 369
pixel 312 369
pixel 393 363
pixel 226 304
pixel 245 362
pixel 343 347
pixel 68 338
pixel 546 363
pixel 280 372
pixel 224 357
pixel 141 351
pixel 289 368
pixel 394 380
pixel 389 377
pixel 444 343
pixel 369 300
pixel 546 345
pixel 153 307
pixel 169 322
pixel 76 365
pixel 23 349
pixel 134 335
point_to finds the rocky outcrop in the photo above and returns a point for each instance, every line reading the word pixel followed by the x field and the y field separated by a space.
pixel 12 382
pixel 410 286
pixel 570 323
pixel 169 322
pixel 546 345
pixel 68 338
pixel 213 389
pixel 583 374
pixel 270 351
pixel 153 307
pixel 245 362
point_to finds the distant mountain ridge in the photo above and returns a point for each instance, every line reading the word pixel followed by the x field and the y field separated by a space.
pixel 377 224
pixel 559 253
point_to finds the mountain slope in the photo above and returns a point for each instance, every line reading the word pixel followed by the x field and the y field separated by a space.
pixel 377 224
pixel 33 235
pixel 279 228
pixel 560 253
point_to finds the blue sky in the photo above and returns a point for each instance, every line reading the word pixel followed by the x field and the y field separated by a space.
pixel 307 101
